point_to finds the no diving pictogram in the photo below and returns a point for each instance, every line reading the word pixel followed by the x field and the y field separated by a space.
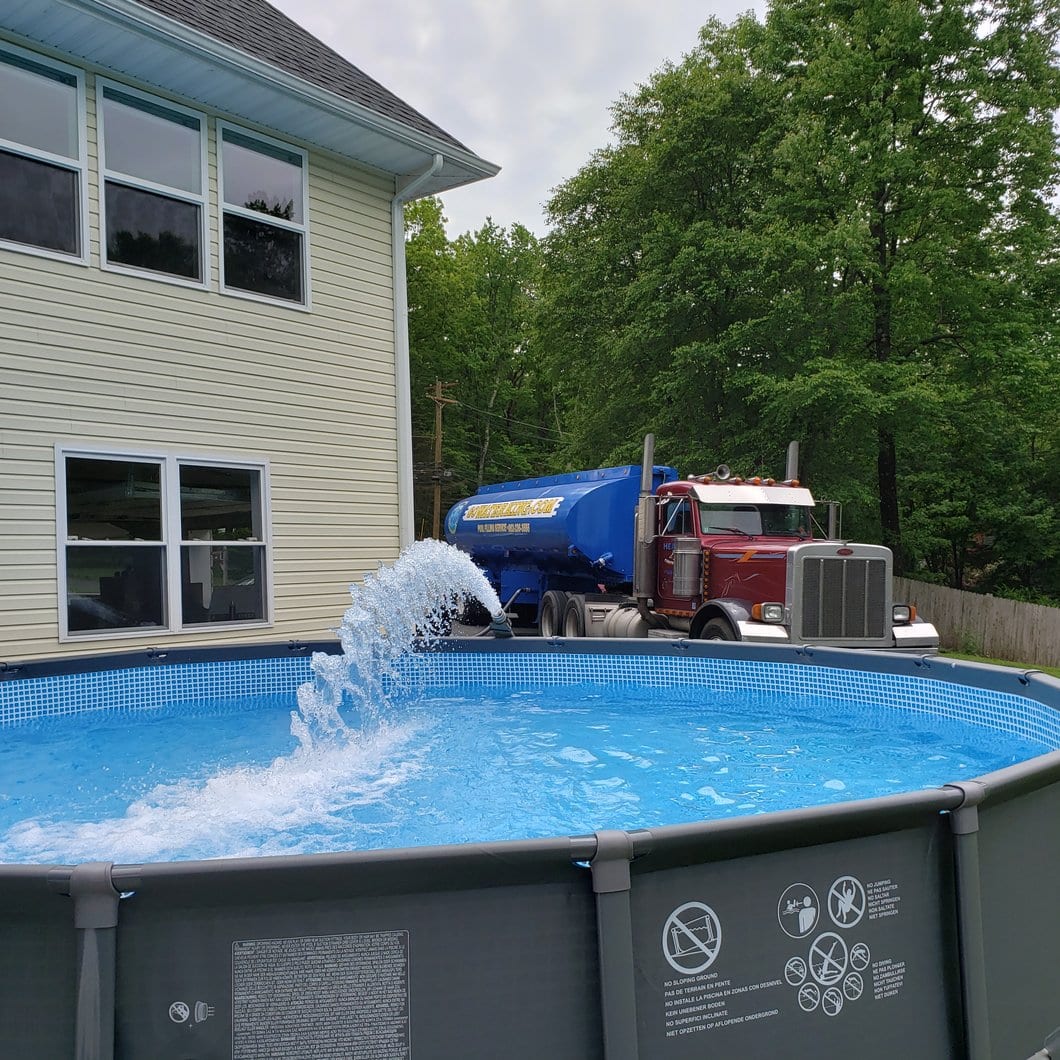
pixel 691 938
pixel 828 958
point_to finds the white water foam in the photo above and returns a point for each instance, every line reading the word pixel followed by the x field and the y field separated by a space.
pixel 238 812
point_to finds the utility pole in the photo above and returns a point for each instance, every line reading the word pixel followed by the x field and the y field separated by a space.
pixel 438 396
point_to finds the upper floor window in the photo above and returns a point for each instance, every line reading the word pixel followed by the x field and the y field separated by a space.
pixel 42 152
pixel 153 542
pixel 153 158
pixel 263 197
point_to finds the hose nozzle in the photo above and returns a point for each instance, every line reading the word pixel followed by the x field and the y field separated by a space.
pixel 500 626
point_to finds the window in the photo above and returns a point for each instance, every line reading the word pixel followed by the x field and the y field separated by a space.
pixel 42 152
pixel 730 519
pixel 678 517
pixel 775 519
pixel 153 157
pixel 159 542
pixel 264 231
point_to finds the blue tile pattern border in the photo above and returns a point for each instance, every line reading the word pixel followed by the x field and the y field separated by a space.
pixel 146 687
pixel 1000 711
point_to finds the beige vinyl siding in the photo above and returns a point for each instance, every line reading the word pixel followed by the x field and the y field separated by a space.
pixel 95 357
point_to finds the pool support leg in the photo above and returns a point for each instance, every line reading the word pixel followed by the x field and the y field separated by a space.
pixel 964 823
pixel 96 921
pixel 614 934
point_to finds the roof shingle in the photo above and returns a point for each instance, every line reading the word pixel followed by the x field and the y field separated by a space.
pixel 257 28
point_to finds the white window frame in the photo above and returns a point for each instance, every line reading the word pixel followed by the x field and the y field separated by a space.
pixel 261 218
pixel 201 200
pixel 78 165
pixel 170 463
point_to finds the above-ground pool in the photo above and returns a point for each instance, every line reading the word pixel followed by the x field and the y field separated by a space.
pixel 913 916
pixel 456 751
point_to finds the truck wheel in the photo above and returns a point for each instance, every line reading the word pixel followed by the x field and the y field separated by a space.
pixel 574 617
pixel 717 629
pixel 553 604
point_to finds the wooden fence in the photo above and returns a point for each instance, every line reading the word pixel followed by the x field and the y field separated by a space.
pixel 986 625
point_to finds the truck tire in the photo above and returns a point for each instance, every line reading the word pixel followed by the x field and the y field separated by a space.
pixel 718 629
pixel 574 617
pixel 553 605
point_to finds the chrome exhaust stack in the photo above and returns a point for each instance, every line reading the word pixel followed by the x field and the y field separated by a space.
pixel 644 530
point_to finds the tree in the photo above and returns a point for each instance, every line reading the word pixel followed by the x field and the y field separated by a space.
pixel 921 134
pixel 503 268
pixel 471 305
pixel 835 226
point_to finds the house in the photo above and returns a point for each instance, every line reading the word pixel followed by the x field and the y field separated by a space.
pixel 204 409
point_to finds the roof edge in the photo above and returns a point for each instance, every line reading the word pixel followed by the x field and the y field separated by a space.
pixel 148 22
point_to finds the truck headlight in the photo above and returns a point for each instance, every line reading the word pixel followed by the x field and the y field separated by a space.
pixel 768 613
pixel 902 614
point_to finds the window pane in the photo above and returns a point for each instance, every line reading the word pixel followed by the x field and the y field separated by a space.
pixel 114 586
pixel 219 503
pixel 113 500
pixel 39 204
pixel 260 177
pixel 151 142
pixel 222 583
pixel 45 117
pixel 262 258
pixel 151 231
pixel 734 518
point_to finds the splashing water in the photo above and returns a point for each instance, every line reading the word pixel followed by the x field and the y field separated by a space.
pixel 396 607
pixel 247 810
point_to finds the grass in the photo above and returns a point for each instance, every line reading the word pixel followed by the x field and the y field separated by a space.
pixel 1053 671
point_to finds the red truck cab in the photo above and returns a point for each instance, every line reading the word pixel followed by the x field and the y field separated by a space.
pixel 736 559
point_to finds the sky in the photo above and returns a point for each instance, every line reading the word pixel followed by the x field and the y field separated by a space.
pixel 526 84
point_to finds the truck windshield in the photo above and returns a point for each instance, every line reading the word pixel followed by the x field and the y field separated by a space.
pixel 779 519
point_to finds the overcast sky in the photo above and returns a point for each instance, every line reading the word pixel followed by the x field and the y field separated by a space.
pixel 527 84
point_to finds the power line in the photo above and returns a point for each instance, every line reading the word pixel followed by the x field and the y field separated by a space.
pixel 501 416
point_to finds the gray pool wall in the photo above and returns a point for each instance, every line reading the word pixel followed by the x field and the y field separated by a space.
pixel 935 919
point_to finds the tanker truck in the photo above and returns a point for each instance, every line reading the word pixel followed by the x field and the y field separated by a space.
pixel 641 552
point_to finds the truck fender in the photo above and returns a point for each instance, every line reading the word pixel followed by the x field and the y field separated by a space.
pixel 732 611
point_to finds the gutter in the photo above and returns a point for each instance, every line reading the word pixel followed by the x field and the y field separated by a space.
pixel 411 189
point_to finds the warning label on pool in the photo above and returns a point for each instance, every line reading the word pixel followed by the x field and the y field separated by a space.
pixel 829 950
pixel 829 967
pixel 708 1003
pixel 702 1001
pixel 831 973
pixel 334 997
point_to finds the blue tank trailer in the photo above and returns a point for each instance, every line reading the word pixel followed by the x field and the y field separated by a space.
pixel 639 551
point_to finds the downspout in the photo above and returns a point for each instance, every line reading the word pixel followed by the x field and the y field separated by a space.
pixel 402 374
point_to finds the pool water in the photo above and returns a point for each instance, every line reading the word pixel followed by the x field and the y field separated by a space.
pixel 227 778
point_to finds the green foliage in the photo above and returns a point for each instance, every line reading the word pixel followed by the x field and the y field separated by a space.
pixel 838 225
pixel 471 324
pixel 835 226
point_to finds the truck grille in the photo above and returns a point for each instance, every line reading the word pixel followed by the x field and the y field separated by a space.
pixel 844 599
